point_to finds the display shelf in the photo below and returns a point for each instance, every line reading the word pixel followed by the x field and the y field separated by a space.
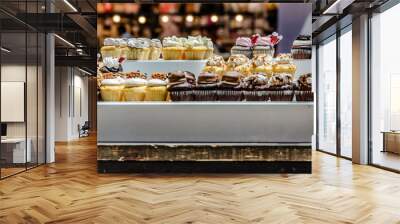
pixel 150 66
pixel 194 66
pixel 205 122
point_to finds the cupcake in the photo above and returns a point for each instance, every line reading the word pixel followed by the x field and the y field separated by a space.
pixel 262 63
pixel 123 48
pixel 195 50
pixel 284 64
pixel 143 48
pixel 111 88
pixel 132 49
pixel 110 48
pixel 206 89
pixel 236 60
pixel 255 87
pixel 155 49
pixel 243 45
pixel 207 42
pixel 281 87
pixel 135 89
pixel 173 48
pixel 303 90
pixel 181 86
pixel 262 46
pixel 229 88
pixel 215 64
pixel 156 90
pixel 301 48
pixel 239 63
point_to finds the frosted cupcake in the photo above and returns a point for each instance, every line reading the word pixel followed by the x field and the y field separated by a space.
pixel 207 42
pixel 263 64
pixel 303 90
pixel 181 86
pixel 132 55
pixel 255 87
pixel 110 48
pixel 262 46
pixel 111 89
pixel 173 48
pixel 281 87
pixel 284 64
pixel 229 88
pixel 123 48
pixel 156 90
pixel 239 63
pixel 243 45
pixel 195 50
pixel 215 64
pixel 155 49
pixel 143 48
pixel 135 89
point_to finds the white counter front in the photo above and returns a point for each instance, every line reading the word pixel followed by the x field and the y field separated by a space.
pixel 205 122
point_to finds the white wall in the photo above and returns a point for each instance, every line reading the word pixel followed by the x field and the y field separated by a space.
pixel 70 84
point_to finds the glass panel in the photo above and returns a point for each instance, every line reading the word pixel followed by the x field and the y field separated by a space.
pixel 327 97
pixel 346 93
pixel 385 89
pixel 13 89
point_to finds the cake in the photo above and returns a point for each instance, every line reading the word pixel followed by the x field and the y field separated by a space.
pixel 281 87
pixel 229 88
pixel 255 88
pixel 206 89
pixel 173 48
pixel 111 88
pixel 135 89
pixel 180 86
pixel 303 90
pixel 263 63
pixel 207 42
pixel 284 64
pixel 301 48
pixel 262 46
pixel 243 45
pixel 155 49
pixel 156 90
pixel 215 64
pixel 110 48
pixel 142 48
pixel 195 50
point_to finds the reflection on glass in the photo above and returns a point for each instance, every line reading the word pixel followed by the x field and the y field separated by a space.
pixel 327 97
pixel 385 89
pixel 346 94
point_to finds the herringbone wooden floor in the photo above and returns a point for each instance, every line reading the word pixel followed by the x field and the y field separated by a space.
pixel 70 191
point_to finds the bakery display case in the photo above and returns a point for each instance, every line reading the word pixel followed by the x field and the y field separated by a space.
pixel 174 104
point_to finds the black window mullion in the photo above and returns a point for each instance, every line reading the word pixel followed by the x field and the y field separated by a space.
pixel 338 94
